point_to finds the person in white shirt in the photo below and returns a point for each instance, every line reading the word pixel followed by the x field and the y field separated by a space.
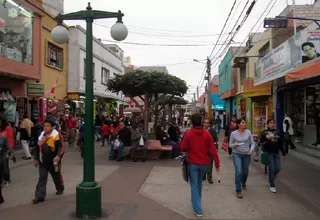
pixel 288 133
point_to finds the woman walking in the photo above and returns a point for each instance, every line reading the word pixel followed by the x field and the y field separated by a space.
pixel 4 148
pixel 242 144
pixel 272 145
pixel 7 132
pixel 199 145
pixel 232 126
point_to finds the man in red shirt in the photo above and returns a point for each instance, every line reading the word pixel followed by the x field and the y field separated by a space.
pixel 199 144
pixel 105 133
pixel 71 125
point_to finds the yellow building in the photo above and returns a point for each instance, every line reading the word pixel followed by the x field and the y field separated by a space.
pixel 54 62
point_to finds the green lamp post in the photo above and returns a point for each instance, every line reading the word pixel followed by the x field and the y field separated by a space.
pixel 88 192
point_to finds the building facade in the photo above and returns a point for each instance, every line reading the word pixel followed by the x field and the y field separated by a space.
pixel 49 93
pixel 227 81
pixel 20 55
pixel 107 61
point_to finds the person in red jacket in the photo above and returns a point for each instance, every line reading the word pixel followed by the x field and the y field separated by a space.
pixel 7 132
pixel 105 133
pixel 71 124
pixel 199 145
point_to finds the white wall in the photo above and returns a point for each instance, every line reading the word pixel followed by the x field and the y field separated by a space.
pixel 54 7
pixel 102 57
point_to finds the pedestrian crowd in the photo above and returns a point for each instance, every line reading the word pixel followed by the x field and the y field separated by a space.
pixel 200 143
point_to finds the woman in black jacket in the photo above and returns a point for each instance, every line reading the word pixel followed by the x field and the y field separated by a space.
pixel 165 140
pixel 272 144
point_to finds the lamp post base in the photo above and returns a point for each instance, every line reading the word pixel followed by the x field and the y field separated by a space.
pixel 88 201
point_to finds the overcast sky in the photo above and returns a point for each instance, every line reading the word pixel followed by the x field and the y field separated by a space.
pixel 176 22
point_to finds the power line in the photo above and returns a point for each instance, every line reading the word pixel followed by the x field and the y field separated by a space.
pixel 250 32
pixel 235 29
pixel 225 23
pixel 160 45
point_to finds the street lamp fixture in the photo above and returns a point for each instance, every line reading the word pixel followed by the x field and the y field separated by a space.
pixel 88 193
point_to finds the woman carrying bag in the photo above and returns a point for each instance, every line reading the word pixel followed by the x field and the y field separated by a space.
pixel 198 143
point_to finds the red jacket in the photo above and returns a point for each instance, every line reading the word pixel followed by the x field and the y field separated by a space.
pixel 199 145
pixel 8 133
pixel 71 122
pixel 105 130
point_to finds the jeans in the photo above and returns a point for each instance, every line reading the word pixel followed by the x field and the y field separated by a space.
pixel 273 166
pixel 175 149
pixel 116 153
pixel 196 174
pixel 241 164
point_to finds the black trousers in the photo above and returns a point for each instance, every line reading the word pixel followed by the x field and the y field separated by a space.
pixel 209 171
pixel 1 179
pixel 44 170
pixel 6 171
pixel 229 148
pixel 288 143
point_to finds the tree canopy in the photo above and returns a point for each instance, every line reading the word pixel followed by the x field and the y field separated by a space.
pixel 138 83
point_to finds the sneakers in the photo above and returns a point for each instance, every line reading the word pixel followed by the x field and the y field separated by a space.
pixel 198 215
pixel 6 183
pixel 273 189
pixel 239 195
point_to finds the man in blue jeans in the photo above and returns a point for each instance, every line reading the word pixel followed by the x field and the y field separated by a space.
pixel 124 139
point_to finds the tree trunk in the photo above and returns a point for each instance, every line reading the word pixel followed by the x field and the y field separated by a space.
pixel 156 117
pixel 146 111
pixel 170 113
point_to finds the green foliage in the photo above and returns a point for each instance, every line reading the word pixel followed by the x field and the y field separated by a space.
pixel 138 83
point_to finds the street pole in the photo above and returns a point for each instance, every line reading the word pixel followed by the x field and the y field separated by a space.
pixel 194 102
pixel 88 192
pixel 197 92
pixel 294 14
pixel 209 99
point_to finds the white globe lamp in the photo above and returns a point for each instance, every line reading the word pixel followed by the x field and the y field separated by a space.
pixel 119 31
pixel 60 34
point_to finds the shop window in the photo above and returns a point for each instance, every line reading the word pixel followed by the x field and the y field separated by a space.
pixel 15 32
pixel 93 70
pixel 54 56
pixel 105 76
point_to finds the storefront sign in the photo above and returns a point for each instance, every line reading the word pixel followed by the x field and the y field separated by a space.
pixel 302 47
pixel 35 89
pixel 249 90
pixel 73 96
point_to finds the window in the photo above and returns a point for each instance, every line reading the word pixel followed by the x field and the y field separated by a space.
pixel 54 56
pixel 226 72
pixel 16 32
pixel 105 76
pixel 93 70
pixel 264 50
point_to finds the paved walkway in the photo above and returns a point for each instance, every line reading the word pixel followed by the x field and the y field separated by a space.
pixel 154 190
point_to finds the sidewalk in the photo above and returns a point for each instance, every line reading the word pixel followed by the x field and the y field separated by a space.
pixel 155 190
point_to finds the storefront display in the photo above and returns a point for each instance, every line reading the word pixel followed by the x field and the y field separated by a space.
pixel 295 108
pixel 259 117
pixel 16 32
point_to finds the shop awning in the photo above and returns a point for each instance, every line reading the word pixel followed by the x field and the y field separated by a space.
pixel 249 90
pixel 306 70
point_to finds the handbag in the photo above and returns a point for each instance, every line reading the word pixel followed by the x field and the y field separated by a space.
pixel 264 160
pixel 224 145
pixel 185 169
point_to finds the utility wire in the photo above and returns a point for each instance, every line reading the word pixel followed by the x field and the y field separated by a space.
pixel 244 19
pixel 161 45
pixel 225 23
pixel 250 32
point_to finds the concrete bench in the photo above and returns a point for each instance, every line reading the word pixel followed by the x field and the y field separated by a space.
pixel 155 149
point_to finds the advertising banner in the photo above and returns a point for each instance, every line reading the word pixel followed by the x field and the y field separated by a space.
pixel 301 48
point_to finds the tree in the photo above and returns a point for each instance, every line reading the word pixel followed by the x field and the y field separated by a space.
pixel 151 87
pixel 172 105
